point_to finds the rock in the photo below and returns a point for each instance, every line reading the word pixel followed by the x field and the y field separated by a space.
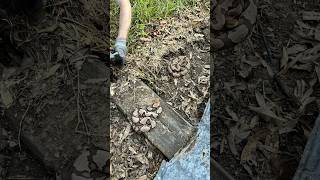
pixel 153 124
pixel 135 113
pixel 142 112
pixel 145 128
pixel 159 110
pixel 156 105
pixel 144 120
pixel 135 119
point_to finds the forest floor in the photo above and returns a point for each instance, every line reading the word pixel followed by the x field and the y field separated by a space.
pixel 260 127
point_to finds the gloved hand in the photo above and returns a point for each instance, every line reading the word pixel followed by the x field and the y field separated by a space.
pixel 121 48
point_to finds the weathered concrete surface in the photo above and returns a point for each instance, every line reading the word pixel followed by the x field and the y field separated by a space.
pixel 172 132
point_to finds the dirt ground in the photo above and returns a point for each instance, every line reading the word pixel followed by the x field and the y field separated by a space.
pixel 261 124
pixel 51 56
pixel 184 36
pixel 52 103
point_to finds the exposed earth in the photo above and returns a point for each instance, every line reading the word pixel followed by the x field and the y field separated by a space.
pixel 54 56
pixel 261 122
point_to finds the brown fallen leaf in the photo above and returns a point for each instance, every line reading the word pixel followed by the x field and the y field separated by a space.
pixel 125 134
pixel 141 158
pixel 231 141
pixel 145 39
pixel 317 33
pixel 248 154
pixel 265 110
pixel 238 132
pixel 51 71
pixel 144 177
pixel 317 70
pixel 310 16
pixel 6 96
pixel 305 67
pixel 285 58
pixel 295 49
pixel 232 114
pixel 303 94
pixel 219 17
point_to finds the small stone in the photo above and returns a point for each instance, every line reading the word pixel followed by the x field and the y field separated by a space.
pixel 149 108
pixel 159 110
pixel 153 124
pixel 135 119
pixel 12 144
pixel 148 114
pixel 142 112
pixel 135 113
pixel 155 115
pixel 145 128
pixel 184 72
pixel 156 105
pixel 144 120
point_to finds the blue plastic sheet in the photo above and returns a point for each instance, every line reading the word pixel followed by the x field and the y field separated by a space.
pixel 193 162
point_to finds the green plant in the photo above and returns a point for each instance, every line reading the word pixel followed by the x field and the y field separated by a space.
pixel 144 12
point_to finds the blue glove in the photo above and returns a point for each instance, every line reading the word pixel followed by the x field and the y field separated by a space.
pixel 121 48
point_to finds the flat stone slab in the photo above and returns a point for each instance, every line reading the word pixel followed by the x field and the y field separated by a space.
pixel 172 131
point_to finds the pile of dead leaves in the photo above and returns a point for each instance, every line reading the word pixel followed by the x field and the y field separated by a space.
pixel 269 111
pixel 52 49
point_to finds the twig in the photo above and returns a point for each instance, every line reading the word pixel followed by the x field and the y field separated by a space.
pixel 20 125
pixel 80 114
pixel 275 76
pixel 57 4
pixel 75 22
pixel 85 125
pixel 91 134
pixel 21 178
pixel 134 91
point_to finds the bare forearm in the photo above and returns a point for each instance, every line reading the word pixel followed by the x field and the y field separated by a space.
pixel 125 19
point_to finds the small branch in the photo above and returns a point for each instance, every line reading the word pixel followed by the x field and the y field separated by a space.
pixel 20 125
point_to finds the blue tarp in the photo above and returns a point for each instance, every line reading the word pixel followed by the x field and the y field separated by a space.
pixel 193 162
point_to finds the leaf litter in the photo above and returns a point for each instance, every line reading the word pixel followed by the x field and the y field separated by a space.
pixel 174 61
pixel 264 129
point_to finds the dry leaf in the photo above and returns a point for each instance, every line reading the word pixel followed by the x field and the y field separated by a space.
pixel 295 49
pixel 231 141
pixel 141 158
pixel 317 33
pixel 51 71
pixel 144 177
pixel 97 80
pixel 132 150
pixel 232 114
pixel 311 16
pixel 6 97
pixel 125 134
pixel 249 151
pixel 306 67
pixel 248 154
pixel 317 69
pixel 266 65
pixel 145 39
pixel 265 110
pixel 285 58
pixel 303 95
pixel 260 99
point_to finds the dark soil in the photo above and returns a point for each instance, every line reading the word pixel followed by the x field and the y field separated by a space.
pixel 54 92
pixel 235 85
